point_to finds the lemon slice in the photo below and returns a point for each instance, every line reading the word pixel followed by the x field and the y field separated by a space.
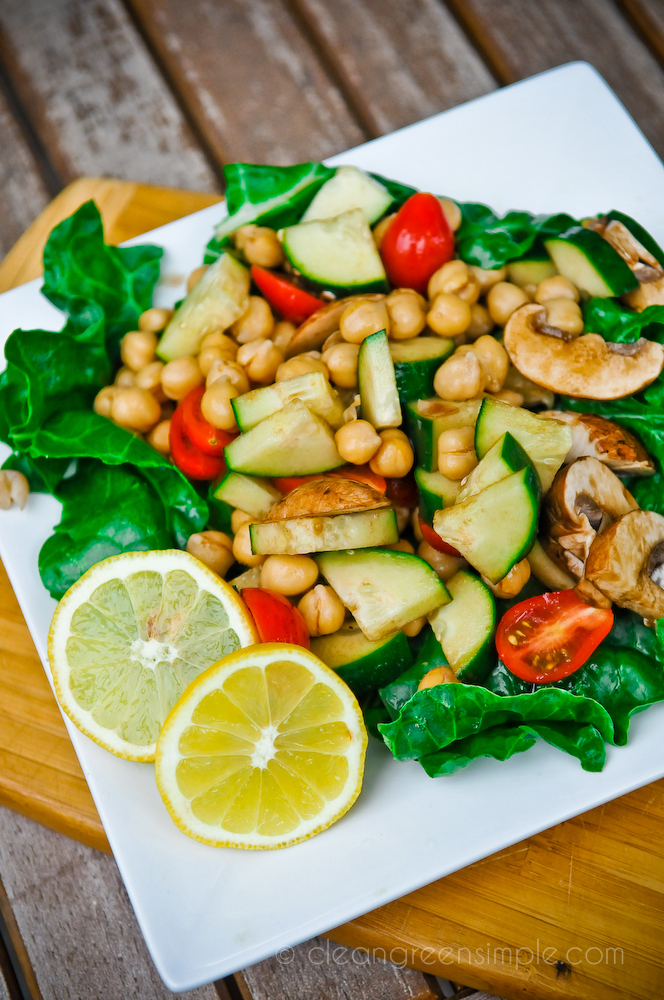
pixel 263 750
pixel 131 634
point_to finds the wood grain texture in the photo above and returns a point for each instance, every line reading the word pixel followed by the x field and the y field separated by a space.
pixel 249 78
pixel 23 193
pixel 94 96
pixel 648 15
pixel 400 61
pixel 521 38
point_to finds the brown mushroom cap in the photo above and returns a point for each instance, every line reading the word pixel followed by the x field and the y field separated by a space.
pixel 312 334
pixel 623 560
pixel 610 443
pixel 587 367
pixel 324 496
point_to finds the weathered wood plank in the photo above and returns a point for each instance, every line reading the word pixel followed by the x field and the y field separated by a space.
pixel 522 38
pixel 648 15
pixel 94 96
pixel 400 61
pixel 249 78
pixel 23 193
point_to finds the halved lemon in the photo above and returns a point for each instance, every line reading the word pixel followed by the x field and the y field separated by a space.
pixel 263 750
pixel 131 634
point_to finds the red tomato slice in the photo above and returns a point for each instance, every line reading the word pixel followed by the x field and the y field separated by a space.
pixel 188 458
pixel 547 638
pixel 402 491
pixel 290 301
pixel 275 617
pixel 202 434
pixel 360 473
pixel 436 542
pixel 417 242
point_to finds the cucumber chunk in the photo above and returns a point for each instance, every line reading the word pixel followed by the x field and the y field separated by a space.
pixel 416 362
pixel 465 628
pixel 328 533
pixel 383 589
pixel 501 460
pixel 291 442
pixel 313 389
pixel 496 528
pixel 377 383
pixel 338 254
pixel 219 298
pixel 363 665
pixel 530 270
pixel 436 491
pixel 545 441
pixel 426 419
pixel 590 262
pixel 253 496
pixel 350 188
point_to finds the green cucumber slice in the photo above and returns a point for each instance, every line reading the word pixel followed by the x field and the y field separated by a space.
pixel 220 511
pixel 436 491
pixel 253 496
pixel 363 665
pixel 530 270
pixel 545 441
pixel 337 254
pixel 426 419
pixel 465 628
pixel 219 298
pixel 639 233
pixel 501 460
pixel 416 362
pixel 301 535
pixel 377 383
pixel 350 188
pixel 313 389
pixel 383 589
pixel 291 442
pixel 590 262
pixel 496 528
pixel 250 578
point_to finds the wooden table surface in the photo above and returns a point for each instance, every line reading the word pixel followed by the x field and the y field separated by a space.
pixel 161 92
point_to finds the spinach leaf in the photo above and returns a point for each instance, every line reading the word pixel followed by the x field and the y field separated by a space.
pixel 400 192
pixel 43 474
pixel 489 241
pixel 618 324
pixel 499 742
pixel 395 695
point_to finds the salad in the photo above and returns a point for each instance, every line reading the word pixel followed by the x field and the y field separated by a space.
pixel 421 440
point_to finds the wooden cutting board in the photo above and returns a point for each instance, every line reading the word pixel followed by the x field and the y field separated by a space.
pixel 575 912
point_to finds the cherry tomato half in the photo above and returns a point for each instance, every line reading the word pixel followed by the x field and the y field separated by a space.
pixel 202 434
pixel 359 473
pixel 291 302
pixel 436 542
pixel 546 638
pixel 188 458
pixel 417 242
pixel 402 491
pixel 275 617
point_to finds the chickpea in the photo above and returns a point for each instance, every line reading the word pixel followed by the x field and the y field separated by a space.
pixel 513 583
pixel 564 314
pixel 155 320
pixel 449 315
pixel 341 361
pixel 282 334
pixel 322 611
pixel 125 378
pixel 357 442
pixel 136 409
pixel 180 376
pixel 207 357
pixel 504 299
pixel 487 279
pixel 436 676
pixel 260 359
pixel 14 489
pixel 257 322
pixel 260 245
pixel 238 518
pixel 361 318
pixel 195 277
pixel 302 364
pixel 509 396
pixel 443 564
pixel 159 437
pixel 494 360
pixel 137 349
pixel 415 627
pixel 381 228
pixel 448 278
pixel 214 549
pixel 149 377
pixel 403 545
pixel 456 452
pixel 231 371
pixel 219 340
pixel 460 377
pixel 103 400
pixel 242 547
pixel 556 287
pixel 407 312
pixel 452 213
pixel 216 405
pixel 480 322
pixel 332 341
pixel 470 292
pixel 289 575
pixel 394 458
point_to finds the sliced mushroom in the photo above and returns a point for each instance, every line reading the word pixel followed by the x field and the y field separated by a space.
pixel 584 500
pixel 587 367
pixel 600 438
pixel 650 294
pixel 332 495
pixel 625 563
pixel 313 333
pixel 642 264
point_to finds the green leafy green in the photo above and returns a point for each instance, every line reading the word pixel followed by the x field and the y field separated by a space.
pixel 430 655
pixel 618 324
pixel 488 241
pixel 400 192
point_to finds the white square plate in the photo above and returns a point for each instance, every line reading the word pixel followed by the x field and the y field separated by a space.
pixel 558 142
